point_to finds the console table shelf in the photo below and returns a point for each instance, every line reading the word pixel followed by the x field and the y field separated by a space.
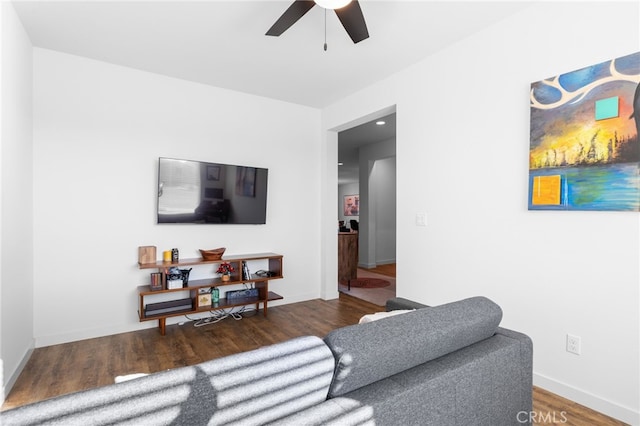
pixel 261 283
pixel 200 261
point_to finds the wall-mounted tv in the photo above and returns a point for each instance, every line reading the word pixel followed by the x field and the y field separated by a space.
pixel 211 193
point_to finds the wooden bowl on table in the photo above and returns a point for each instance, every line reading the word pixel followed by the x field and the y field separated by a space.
pixel 215 254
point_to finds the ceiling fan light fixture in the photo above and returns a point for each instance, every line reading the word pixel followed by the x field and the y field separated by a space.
pixel 332 4
pixel 348 12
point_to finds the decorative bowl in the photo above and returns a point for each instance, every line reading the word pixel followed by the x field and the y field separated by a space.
pixel 215 254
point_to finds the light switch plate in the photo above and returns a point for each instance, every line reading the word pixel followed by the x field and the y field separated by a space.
pixel 421 219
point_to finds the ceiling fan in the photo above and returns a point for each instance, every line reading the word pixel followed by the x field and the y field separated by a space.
pixel 348 11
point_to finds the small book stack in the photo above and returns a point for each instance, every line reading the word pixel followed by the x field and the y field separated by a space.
pixel 246 274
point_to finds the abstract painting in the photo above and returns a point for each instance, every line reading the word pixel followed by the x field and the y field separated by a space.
pixel 584 152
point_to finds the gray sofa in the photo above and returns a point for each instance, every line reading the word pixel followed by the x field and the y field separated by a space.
pixel 443 365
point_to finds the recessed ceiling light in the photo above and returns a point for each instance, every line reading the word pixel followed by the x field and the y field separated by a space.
pixel 381 123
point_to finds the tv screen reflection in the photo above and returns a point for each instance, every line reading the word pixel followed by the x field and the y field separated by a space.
pixel 210 193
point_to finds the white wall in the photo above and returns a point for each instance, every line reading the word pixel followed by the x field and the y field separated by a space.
pixel 16 246
pixel 377 204
pixel 98 132
pixel 462 157
pixel 382 195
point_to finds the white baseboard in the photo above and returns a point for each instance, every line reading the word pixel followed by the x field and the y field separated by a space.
pixel 91 333
pixel 611 409
pixel 377 263
pixel 13 377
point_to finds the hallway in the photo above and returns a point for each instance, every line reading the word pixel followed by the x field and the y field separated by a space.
pixel 377 296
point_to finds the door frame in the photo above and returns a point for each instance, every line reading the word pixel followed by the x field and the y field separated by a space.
pixel 329 202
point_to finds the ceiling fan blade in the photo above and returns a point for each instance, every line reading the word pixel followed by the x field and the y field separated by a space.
pixel 290 16
pixel 353 21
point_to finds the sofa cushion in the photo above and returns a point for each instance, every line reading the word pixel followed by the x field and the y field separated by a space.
pixel 249 388
pixel 366 353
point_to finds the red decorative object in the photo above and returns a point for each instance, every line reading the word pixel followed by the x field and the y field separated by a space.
pixel 225 268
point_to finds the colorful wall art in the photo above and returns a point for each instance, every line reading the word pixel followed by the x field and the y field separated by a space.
pixel 351 205
pixel 584 151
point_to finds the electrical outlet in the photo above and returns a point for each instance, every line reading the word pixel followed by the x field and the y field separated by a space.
pixel 421 219
pixel 573 344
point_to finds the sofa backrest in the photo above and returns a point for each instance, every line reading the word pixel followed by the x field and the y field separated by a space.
pixel 366 353
pixel 249 388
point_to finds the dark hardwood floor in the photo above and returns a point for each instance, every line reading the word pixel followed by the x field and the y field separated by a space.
pixel 69 367
pixel 60 369
pixel 388 269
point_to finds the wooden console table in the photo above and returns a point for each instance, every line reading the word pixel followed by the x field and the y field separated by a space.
pixel 261 283
pixel 347 257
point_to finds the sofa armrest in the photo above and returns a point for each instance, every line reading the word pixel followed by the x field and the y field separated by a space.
pixel 366 353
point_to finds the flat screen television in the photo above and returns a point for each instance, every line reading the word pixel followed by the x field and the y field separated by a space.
pixel 211 193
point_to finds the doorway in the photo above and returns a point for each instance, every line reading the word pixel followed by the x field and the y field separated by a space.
pixel 367 207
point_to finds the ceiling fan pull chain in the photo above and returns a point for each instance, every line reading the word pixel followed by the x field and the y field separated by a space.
pixel 325 30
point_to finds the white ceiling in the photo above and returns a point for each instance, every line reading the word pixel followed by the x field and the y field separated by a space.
pixel 222 43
